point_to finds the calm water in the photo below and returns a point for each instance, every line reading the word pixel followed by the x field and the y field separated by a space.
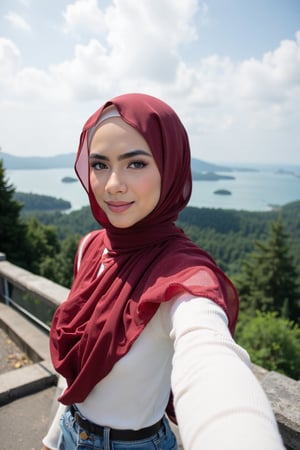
pixel 252 191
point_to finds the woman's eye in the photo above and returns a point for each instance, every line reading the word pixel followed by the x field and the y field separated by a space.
pixel 98 165
pixel 137 164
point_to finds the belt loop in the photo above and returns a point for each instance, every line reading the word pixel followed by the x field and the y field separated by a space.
pixel 106 438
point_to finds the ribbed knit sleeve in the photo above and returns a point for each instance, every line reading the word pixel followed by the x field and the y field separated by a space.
pixel 219 402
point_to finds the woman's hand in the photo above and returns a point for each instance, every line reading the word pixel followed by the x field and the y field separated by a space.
pixel 45 448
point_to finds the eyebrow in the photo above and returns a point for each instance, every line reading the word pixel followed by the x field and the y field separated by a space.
pixel 127 155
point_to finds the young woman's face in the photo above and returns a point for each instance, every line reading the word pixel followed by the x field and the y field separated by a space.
pixel 123 173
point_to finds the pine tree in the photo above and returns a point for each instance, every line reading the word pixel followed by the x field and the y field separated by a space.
pixel 268 281
pixel 12 230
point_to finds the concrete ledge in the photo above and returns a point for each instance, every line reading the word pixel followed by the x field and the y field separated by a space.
pixel 29 338
pixel 27 380
pixel 284 395
pixel 34 343
pixel 50 292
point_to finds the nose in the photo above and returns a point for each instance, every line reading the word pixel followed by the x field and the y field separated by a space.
pixel 115 183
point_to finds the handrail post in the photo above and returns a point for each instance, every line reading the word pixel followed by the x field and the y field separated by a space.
pixel 5 291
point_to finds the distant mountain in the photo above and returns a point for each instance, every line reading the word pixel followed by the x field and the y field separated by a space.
pixel 12 162
pixel 201 166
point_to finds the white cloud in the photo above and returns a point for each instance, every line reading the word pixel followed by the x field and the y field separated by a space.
pixel 273 78
pixel 26 3
pixel 135 52
pixel 270 89
pixel 218 94
pixel 136 46
pixel 87 75
pixel 84 15
pixel 145 57
pixel 9 59
pixel 17 21
pixel 142 38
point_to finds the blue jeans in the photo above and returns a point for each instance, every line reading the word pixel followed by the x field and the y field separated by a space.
pixel 76 438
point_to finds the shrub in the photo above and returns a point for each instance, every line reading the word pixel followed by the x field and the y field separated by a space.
pixel 272 342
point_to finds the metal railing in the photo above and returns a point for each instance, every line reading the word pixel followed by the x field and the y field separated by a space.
pixel 33 296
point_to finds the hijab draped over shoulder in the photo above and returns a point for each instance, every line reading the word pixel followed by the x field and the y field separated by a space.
pixel 146 264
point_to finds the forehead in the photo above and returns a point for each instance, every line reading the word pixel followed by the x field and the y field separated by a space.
pixel 116 132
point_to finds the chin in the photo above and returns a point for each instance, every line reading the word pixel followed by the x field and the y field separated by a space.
pixel 122 225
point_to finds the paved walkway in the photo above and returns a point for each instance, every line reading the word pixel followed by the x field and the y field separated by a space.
pixel 24 422
pixel 27 386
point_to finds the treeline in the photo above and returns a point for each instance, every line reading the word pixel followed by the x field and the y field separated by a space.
pixel 260 251
pixel 36 202
pixel 230 235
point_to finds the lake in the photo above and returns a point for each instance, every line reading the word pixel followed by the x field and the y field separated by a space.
pixel 251 191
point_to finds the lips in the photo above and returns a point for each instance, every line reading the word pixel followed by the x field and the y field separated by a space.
pixel 118 207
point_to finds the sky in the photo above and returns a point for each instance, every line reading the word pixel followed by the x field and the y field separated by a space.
pixel 230 69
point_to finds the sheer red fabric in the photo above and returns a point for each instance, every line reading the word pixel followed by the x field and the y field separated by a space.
pixel 146 264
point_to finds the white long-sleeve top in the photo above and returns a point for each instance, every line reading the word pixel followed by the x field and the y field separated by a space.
pixel 187 346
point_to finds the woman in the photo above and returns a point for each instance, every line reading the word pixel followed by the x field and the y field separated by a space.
pixel 149 312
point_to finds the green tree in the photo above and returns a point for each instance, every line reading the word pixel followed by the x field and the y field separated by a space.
pixel 269 279
pixel 12 230
pixel 272 342
pixel 60 268
pixel 42 243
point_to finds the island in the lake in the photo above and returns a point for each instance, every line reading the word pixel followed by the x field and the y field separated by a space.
pixel 69 180
pixel 210 176
pixel 222 192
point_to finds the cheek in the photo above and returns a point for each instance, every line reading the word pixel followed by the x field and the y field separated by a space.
pixel 154 186
pixel 94 182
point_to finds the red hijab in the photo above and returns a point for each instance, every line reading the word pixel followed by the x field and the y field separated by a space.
pixel 146 264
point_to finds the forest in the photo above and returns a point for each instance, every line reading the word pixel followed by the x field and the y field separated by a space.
pixel 259 251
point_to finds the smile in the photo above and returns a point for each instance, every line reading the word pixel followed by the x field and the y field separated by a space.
pixel 118 207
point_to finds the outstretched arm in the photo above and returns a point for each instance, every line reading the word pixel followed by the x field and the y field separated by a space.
pixel 219 402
